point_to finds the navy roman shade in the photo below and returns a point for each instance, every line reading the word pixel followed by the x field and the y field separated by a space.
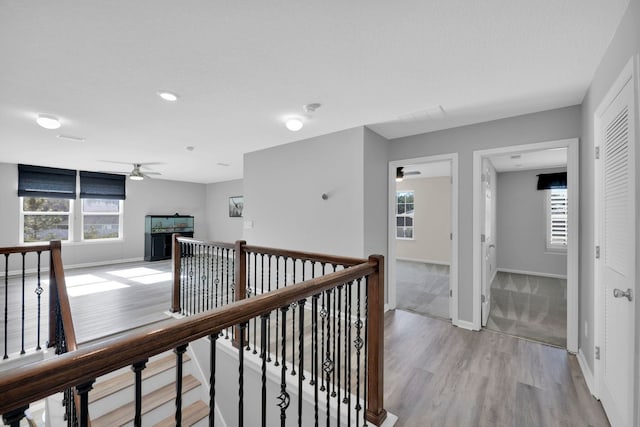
pixel 98 185
pixel 39 181
pixel 548 181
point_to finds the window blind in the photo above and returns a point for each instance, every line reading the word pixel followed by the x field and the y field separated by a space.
pixel 39 181
pixel 98 185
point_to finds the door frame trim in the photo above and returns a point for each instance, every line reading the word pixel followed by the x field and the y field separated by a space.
pixel 629 72
pixel 573 246
pixel 391 226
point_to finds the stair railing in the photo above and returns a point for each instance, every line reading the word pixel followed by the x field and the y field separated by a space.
pixel 359 288
pixel 208 273
pixel 61 332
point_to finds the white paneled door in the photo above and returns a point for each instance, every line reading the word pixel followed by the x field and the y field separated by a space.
pixel 616 287
pixel 487 239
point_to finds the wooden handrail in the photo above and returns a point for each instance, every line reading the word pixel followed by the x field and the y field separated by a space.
pixel 36 381
pixel 25 249
pixel 204 242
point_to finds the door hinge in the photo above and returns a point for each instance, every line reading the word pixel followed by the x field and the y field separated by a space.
pixel 597 352
pixel 597 152
pixel 451 292
pixel 484 177
pixel 484 299
pixel 450 236
pixel 483 238
pixel 597 252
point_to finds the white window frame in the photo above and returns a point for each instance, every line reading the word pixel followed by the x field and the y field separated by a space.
pixel 413 227
pixel 550 217
pixel 70 214
pixel 120 215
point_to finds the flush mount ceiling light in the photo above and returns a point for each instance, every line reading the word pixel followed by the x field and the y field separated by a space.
pixel 168 96
pixel 48 122
pixel 294 124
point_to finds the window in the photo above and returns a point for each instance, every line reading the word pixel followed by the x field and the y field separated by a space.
pixel 557 219
pixel 45 219
pixel 404 214
pixel 101 219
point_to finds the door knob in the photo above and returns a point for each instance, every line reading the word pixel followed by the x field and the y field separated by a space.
pixel 617 293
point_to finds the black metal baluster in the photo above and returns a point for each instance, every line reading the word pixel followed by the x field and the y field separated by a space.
pixel 314 346
pixel 216 281
pixel 366 350
pixel 242 332
pixel 233 284
pixel 248 294
pixel 201 278
pixel 301 303
pixel 12 418
pixel 263 356
pixel 83 392
pixel 358 344
pixel 137 370
pixel 38 291
pixel 6 303
pixel 277 311
pixel 327 365
pixel 23 301
pixel 179 351
pixel 255 292
pixel 347 397
pixel 269 320
pixel 323 315
pixel 213 339
pixel 183 276
pixel 293 325
pixel 191 298
pixel 333 343
pixel 284 395
pixel 338 411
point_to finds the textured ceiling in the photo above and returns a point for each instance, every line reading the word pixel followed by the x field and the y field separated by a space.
pixel 241 67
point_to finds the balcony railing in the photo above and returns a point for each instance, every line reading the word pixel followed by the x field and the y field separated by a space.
pixel 321 322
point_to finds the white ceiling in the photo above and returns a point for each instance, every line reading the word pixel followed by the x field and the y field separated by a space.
pixel 544 159
pixel 241 67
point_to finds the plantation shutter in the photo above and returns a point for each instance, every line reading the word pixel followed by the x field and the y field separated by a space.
pixel 558 217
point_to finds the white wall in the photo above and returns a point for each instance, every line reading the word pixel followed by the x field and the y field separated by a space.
pixel 522 225
pixel 432 220
pixel 283 189
pixel 222 227
pixel 563 123
pixel 625 43
pixel 151 196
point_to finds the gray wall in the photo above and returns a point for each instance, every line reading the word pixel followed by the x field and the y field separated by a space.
pixel 432 219
pixel 522 225
pixel 283 189
pixel 375 207
pixel 151 196
pixel 551 125
pixel 625 43
pixel 222 227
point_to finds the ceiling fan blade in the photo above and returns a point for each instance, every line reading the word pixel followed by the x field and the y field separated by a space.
pixel 412 173
pixel 117 163
pixel 151 173
pixel 149 163
pixel 115 172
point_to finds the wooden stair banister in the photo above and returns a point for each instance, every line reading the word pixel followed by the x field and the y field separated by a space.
pixel 30 383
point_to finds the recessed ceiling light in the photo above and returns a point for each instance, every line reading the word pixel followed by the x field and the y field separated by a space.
pixel 168 96
pixel 223 164
pixel 293 124
pixel 47 121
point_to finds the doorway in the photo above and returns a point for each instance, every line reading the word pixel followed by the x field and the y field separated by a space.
pixel 512 294
pixel 422 236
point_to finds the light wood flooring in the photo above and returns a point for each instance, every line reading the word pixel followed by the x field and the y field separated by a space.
pixel 435 374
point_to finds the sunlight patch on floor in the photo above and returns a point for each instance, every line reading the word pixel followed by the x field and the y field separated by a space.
pixel 128 273
pixel 82 279
pixel 94 288
pixel 153 278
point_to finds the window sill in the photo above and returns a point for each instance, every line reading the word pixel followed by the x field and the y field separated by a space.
pixel 405 238
pixel 555 251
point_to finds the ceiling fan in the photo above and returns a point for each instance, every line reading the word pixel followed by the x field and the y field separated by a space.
pixel 400 173
pixel 137 174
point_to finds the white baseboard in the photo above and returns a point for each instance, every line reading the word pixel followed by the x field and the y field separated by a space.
pixel 465 325
pixel 425 261
pixel 586 372
pixel 532 273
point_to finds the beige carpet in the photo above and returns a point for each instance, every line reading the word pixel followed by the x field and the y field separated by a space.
pixel 423 288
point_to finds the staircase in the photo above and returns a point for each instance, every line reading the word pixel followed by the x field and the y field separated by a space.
pixel 112 400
